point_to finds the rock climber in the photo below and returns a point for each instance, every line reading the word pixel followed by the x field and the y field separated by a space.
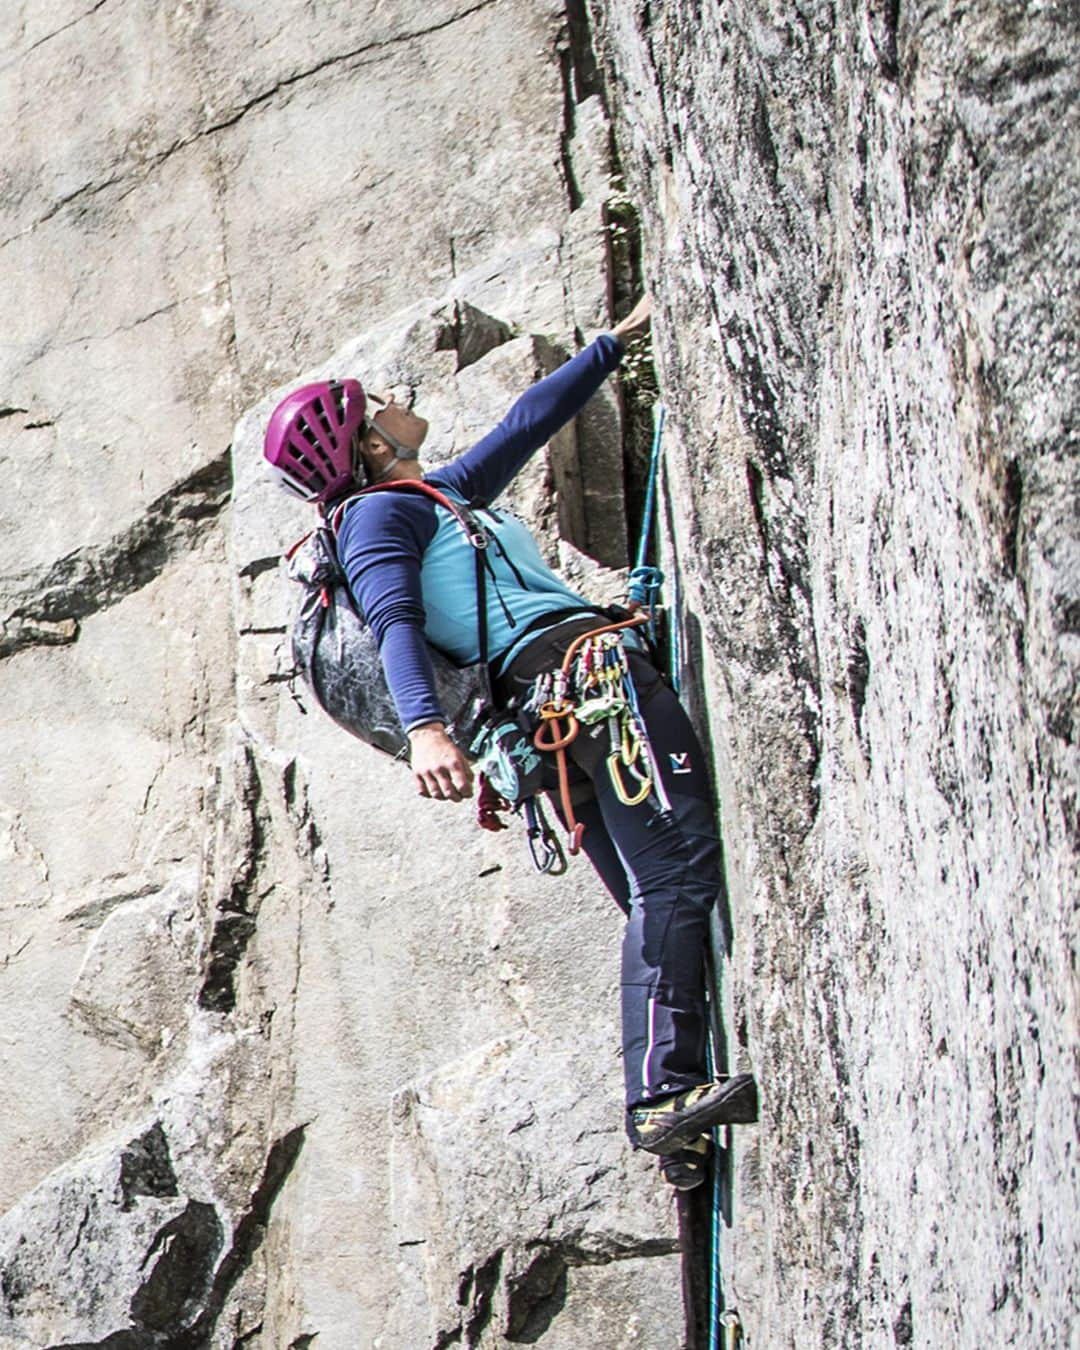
pixel 412 574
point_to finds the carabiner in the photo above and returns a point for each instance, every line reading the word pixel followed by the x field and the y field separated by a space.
pixel 555 712
pixel 613 763
pixel 544 849
pixel 631 746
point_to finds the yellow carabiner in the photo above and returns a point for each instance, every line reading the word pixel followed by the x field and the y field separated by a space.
pixel 616 782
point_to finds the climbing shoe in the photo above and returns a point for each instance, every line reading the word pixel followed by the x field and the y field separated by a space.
pixel 686 1169
pixel 669 1125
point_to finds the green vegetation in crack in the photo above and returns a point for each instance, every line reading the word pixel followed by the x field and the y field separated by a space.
pixel 637 375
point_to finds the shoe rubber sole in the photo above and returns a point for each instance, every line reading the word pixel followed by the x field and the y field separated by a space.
pixel 687 1169
pixel 733 1103
pixel 683 1171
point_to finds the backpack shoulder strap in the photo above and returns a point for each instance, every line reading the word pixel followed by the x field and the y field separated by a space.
pixel 474 532
pixel 464 515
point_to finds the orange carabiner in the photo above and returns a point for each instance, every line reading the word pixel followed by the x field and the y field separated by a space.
pixel 555 713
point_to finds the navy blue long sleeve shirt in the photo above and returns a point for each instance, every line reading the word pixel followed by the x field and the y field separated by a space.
pixel 412 571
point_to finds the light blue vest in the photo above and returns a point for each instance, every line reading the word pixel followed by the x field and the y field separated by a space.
pixel 448 580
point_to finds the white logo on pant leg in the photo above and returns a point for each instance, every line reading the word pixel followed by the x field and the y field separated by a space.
pixel 680 763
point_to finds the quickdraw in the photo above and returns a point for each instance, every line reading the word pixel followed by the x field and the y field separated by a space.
pixel 547 855
pixel 627 748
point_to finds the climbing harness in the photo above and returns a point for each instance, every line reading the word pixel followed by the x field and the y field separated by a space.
pixel 592 685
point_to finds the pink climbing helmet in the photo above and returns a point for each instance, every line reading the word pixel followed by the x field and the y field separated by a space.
pixel 312 440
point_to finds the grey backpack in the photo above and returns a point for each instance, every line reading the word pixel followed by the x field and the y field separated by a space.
pixel 336 654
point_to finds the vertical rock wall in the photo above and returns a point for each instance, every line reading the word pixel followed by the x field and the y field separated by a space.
pixel 861 236
pixel 294 1059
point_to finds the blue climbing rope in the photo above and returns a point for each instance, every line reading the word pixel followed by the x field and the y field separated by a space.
pixel 644 590
pixel 645 581
pixel 715 1293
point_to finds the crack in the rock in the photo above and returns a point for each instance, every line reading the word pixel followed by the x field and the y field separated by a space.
pixel 566 159
pixel 341 58
pixel 155 161
pixel 247 1238
pixel 235 920
pixel 220 179
pixel 185 1250
pixel 119 1340
pixel 146 1168
pixel 258 566
pixel 87 190
pixel 232 933
pixel 537 1294
pixel 178 1305
pixel 785 570
pixel 49 605
pixel 92 913
pixel 581 80
pixel 471 333
pixel 478 1287
pixel 536 1289
pixel 79 18
pixel 15 57
pixel 79 1231
pixel 858 678
pixel 120 328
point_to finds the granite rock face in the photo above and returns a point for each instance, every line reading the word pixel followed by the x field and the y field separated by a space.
pixel 277 1036
pixel 861 223
pixel 295 1059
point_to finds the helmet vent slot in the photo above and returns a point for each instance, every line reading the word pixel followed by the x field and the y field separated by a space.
pixel 304 430
pixel 324 422
pixel 326 464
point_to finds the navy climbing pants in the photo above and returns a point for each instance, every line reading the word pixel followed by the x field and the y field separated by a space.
pixel 661 862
